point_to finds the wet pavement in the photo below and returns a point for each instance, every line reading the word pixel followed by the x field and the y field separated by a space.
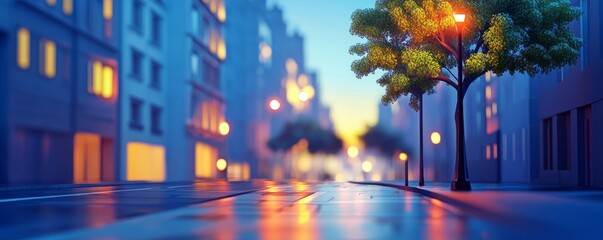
pixel 41 212
pixel 299 210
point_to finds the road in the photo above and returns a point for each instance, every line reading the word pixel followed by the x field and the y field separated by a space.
pixel 248 210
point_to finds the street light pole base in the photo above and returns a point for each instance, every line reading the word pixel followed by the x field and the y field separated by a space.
pixel 460 185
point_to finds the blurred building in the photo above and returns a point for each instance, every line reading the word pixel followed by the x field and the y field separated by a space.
pixel 59 90
pixel 270 68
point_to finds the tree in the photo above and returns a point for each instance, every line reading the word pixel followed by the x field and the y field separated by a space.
pixel 383 140
pixel 319 140
pixel 414 43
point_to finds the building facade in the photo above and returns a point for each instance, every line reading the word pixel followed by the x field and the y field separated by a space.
pixel 60 91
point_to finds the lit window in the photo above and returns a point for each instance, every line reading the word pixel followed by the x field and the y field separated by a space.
pixel 101 79
pixel 488 92
pixel 23 48
pixel 51 2
pixel 488 152
pixel 206 158
pixel 494 108
pixel 49 59
pixel 87 149
pixel 68 7
pixel 221 11
pixel 495 150
pixel 145 162
pixel 488 112
pixel 222 50
pixel 108 9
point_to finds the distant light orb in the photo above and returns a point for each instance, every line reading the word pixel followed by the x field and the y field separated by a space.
pixel 221 164
pixel 303 96
pixel 403 156
pixel 436 138
pixel 274 105
pixel 367 166
pixel 224 128
pixel 353 152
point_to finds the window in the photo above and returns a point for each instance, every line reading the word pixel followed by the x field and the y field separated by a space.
pixel 488 152
pixel 155 75
pixel 547 144
pixel 195 21
pixel 108 16
pixel 495 151
pixel 156 29
pixel 136 114
pixel 211 74
pixel 205 30
pixel 51 2
pixel 195 65
pixel 156 120
pixel 211 116
pixel 136 65
pixel 68 7
pixel 48 58
pixel 23 48
pixel 137 15
pixel 563 141
pixel 101 79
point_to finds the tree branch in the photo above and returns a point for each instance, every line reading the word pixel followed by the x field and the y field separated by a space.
pixel 480 42
pixel 440 78
pixel 469 80
pixel 447 47
pixel 452 74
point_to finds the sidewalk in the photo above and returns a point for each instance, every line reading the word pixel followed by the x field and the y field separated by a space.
pixel 572 209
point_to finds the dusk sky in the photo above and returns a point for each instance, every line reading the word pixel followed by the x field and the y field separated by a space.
pixel 325 26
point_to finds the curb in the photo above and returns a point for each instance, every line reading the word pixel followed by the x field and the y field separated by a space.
pixel 71 185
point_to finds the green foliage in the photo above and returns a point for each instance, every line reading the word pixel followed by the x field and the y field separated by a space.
pixel 384 140
pixel 414 42
pixel 319 140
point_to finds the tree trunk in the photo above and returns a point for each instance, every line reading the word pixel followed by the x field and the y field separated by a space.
pixel 461 175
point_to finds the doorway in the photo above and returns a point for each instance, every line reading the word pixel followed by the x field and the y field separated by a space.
pixel 585 146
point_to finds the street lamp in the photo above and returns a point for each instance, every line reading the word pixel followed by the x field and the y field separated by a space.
pixel 436 138
pixel 461 180
pixel 404 158
pixel 274 104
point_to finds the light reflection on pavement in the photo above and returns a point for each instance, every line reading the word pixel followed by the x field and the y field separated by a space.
pixel 299 210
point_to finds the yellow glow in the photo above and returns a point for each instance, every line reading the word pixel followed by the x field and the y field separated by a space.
pixel 309 90
pixel 51 2
pixel 224 128
pixel 68 7
pixel 303 96
pixel 205 158
pixel 459 17
pixel 304 163
pixel 488 76
pixel 436 138
pixel 265 52
pixel 23 48
pixel 303 80
pixel 97 78
pixel 107 9
pixel 50 58
pixel 213 6
pixel 352 152
pixel 367 166
pixel 291 66
pixel 86 158
pixel 145 162
pixel 221 164
pixel 221 12
pixel 240 172
pixel 494 108
pixel 376 177
pixel 488 92
pixel 403 156
pixel 107 91
pixel 488 112
pixel 274 104
pixel 221 49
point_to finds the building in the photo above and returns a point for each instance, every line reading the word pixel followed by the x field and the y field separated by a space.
pixel 59 93
pixel 144 90
pixel 270 67
pixel 196 126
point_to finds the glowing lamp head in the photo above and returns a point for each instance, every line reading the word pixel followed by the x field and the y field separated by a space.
pixel 221 164
pixel 403 157
pixel 459 17
pixel 436 138
pixel 367 166
pixel 274 105
pixel 224 128
pixel 303 96
pixel 352 152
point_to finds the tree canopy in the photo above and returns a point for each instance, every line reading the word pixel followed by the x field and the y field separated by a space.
pixel 384 140
pixel 319 140
pixel 414 42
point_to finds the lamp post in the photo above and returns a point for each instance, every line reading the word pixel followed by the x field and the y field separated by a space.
pixel 461 180
pixel 404 158
pixel 421 178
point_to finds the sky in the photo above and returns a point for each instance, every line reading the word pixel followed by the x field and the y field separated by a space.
pixel 325 26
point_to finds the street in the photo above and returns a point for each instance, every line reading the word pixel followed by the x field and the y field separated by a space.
pixel 271 210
